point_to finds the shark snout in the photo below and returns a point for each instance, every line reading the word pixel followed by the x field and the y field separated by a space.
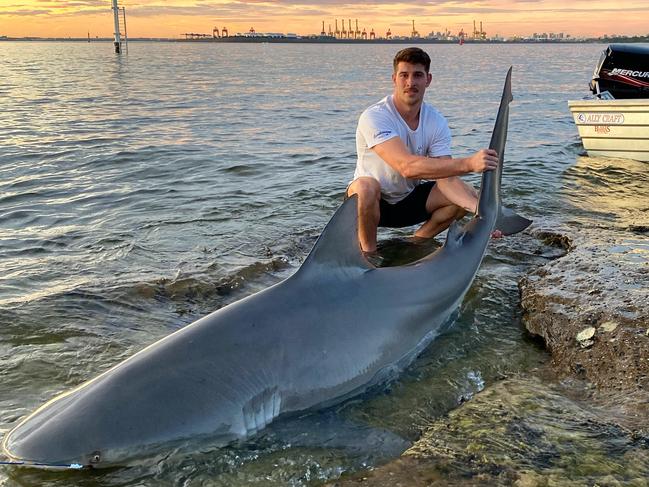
pixel 37 443
pixel 34 452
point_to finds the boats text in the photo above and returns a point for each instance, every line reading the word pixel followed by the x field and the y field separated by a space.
pixel 630 72
pixel 601 118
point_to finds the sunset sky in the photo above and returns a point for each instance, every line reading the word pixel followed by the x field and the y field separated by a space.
pixel 171 18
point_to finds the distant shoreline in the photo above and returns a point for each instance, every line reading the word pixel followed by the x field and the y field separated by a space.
pixel 330 40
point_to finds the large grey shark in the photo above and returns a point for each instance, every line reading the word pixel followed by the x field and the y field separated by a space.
pixel 336 327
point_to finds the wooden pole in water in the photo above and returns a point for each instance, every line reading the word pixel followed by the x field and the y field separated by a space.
pixel 118 39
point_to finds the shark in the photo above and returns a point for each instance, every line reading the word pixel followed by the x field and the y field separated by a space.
pixel 336 327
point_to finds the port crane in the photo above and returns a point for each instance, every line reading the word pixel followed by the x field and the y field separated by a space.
pixel 216 33
pixel 414 34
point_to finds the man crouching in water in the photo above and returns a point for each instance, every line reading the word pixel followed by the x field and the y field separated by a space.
pixel 405 174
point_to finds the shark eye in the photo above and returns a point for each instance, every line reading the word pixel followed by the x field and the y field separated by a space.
pixel 95 457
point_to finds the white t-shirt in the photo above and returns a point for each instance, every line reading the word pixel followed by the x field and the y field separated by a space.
pixel 381 122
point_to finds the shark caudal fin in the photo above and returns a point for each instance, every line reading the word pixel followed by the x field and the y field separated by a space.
pixel 338 244
pixel 509 222
pixel 489 199
pixel 505 219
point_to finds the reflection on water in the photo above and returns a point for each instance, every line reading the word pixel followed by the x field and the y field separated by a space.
pixel 612 192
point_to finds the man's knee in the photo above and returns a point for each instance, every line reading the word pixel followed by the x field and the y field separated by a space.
pixel 368 189
pixel 447 214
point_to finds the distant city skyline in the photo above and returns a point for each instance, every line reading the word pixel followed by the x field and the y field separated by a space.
pixel 172 18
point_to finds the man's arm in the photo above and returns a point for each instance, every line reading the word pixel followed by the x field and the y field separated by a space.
pixel 458 192
pixel 411 166
pixel 461 194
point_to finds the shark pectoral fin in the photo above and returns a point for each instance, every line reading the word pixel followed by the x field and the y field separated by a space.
pixel 338 244
pixel 510 223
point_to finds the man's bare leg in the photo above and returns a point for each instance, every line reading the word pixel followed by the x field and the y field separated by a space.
pixel 369 213
pixel 440 220
pixel 443 213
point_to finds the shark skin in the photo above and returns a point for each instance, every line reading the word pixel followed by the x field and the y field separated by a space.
pixel 330 331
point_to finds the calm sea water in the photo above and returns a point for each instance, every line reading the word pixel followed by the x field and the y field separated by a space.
pixel 143 191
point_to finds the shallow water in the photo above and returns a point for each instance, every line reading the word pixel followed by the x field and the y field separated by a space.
pixel 139 193
pixel 525 432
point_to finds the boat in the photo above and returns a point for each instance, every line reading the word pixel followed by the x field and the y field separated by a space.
pixel 614 122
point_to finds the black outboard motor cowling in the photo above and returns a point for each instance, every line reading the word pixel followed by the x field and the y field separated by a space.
pixel 623 71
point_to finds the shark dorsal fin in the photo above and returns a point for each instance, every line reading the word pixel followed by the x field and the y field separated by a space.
pixel 338 244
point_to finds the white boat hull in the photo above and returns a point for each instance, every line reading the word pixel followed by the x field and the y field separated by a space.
pixel 613 128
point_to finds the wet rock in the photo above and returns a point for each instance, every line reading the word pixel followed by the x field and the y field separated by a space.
pixel 519 432
pixel 600 336
pixel 554 239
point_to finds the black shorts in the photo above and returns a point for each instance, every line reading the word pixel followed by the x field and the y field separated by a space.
pixel 409 211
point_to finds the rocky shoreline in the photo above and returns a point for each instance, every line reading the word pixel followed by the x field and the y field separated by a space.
pixel 521 432
pixel 591 308
pixel 580 420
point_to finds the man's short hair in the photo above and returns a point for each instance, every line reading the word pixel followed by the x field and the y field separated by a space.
pixel 412 55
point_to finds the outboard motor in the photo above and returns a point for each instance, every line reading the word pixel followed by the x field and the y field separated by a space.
pixel 623 71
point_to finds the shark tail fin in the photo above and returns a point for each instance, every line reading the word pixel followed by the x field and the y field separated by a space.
pixel 509 222
pixel 338 244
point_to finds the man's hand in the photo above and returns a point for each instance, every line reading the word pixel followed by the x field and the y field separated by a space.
pixel 483 160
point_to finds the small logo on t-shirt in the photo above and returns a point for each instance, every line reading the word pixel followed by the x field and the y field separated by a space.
pixel 381 133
